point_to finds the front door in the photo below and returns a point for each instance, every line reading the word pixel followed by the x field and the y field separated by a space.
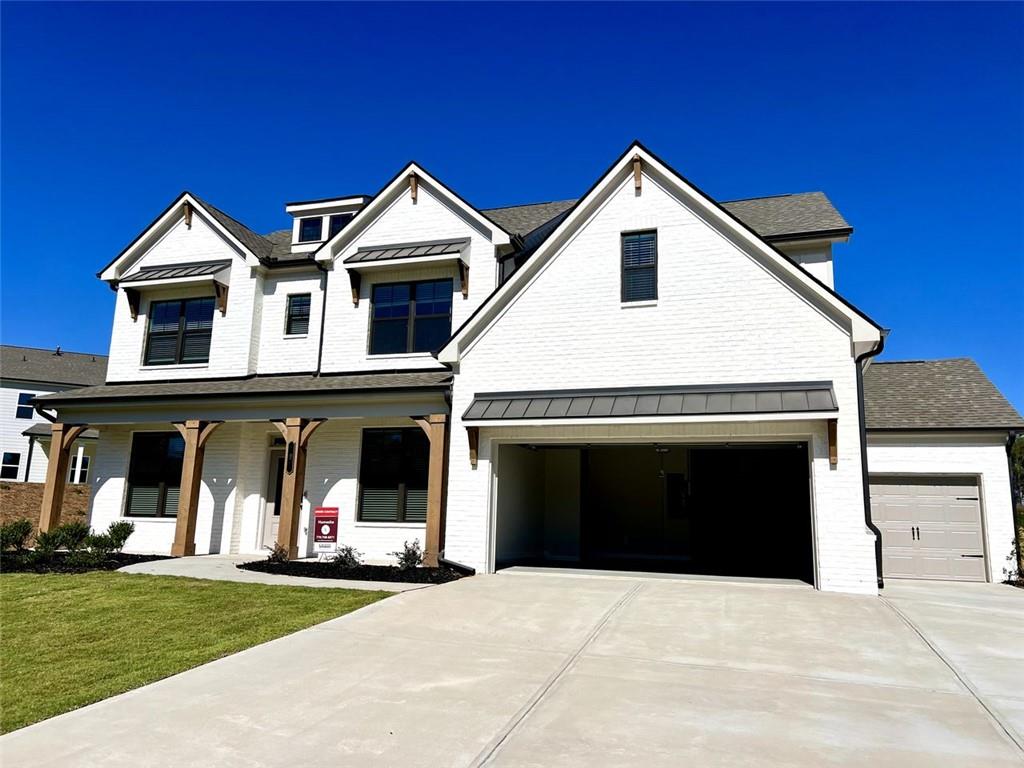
pixel 272 510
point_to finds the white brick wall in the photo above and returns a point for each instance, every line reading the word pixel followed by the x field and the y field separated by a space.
pixel 720 318
pixel 346 340
pixel 230 345
pixel 278 352
pixel 981 456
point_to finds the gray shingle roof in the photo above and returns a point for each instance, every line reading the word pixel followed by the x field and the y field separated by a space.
pixel 255 243
pixel 776 397
pixel 771 217
pixel 934 394
pixel 47 367
pixel 255 385
pixel 44 430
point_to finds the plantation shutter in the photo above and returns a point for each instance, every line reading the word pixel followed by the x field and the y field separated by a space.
pixel 298 314
pixel 393 475
pixel 154 474
pixel 640 266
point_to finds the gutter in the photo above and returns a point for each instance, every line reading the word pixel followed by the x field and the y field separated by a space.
pixel 859 365
pixel 323 315
pixel 1011 438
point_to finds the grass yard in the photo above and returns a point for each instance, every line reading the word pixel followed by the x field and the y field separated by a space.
pixel 70 640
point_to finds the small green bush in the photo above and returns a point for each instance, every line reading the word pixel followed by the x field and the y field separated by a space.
pixel 15 535
pixel 48 542
pixel 119 532
pixel 409 556
pixel 72 536
pixel 348 557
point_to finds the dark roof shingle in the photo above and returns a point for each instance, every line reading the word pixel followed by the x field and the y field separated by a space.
pixel 47 367
pixel 934 394
pixel 256 385
pixel 775 217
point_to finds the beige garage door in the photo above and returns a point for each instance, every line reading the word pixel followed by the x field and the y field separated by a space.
pixel 931 527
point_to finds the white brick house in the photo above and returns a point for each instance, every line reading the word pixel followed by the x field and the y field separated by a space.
pixel 643 378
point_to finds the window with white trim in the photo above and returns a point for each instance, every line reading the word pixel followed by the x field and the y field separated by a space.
pixel 9 466
pixel 311 229
pixel 25 411
pixel 297 320
pixel 639 266
pixel 74 476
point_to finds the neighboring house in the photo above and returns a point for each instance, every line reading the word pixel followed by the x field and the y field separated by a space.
pixel 643 378
pixel 26 373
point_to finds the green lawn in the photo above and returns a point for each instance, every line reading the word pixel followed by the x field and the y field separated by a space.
pixel 69 640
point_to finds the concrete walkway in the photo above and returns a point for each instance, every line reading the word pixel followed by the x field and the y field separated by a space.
pixel 537 670
pixel 222 568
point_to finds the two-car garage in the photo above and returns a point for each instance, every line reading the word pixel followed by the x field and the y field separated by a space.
pixel 728 510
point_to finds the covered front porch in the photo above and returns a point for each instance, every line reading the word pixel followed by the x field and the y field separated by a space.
pixel 235 467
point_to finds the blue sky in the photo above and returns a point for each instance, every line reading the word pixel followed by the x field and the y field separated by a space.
pixel 910 117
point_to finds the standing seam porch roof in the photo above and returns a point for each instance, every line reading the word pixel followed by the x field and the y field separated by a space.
pixel 724 399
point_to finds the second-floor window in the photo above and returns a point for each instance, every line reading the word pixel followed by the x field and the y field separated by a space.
pixel 337 222
pixel 179 331
pixel 311 229
pixel 410 317
pixel 25 411
pixel 640 266
pixel 297 321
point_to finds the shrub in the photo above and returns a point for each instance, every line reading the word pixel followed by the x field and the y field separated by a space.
pixel 15 535
pixel 48 542
pixel 1012 570
pixel 348 557
pixel 410 556
pixel 119 532
pixel 277 553
pixel 72 536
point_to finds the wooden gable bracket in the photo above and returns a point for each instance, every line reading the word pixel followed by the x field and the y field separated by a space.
pixel 188 215
pixel 473 433
pixel 134 298
pixel 355 280
pixel 464 278
pixel 222 297
pixel 833 443
pixel 637 173
pixel 414 184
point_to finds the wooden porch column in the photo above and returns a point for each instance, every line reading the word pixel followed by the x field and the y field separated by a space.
pixel 436 427
pixel 196 434
pixel 296 433
pixel 62 438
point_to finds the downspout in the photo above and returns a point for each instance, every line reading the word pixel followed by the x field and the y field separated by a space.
pixel 859 364
pixel 28 461
pixel 323 314
pixel 1011 438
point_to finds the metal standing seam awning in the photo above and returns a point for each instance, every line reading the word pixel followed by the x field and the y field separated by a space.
pixel 179 273
pixel 753 399
pixel 432 250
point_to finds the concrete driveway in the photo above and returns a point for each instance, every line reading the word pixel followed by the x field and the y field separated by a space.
pixel 540 670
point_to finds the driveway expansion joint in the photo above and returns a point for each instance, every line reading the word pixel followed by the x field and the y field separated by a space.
pixel 494 746
pixel 997 718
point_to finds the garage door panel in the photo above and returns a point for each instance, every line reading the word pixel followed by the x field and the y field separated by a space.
pixel 931 528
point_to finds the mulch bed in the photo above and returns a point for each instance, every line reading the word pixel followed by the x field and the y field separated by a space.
pixel 64 562
pixel 330 570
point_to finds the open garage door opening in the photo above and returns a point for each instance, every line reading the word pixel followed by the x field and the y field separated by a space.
pixel 714 510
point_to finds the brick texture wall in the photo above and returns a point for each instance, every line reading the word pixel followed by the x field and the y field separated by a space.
pixel 23 500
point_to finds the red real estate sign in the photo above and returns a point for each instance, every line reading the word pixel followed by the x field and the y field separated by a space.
pixel 325 529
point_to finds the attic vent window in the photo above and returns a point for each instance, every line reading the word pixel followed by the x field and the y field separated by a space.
pixel 639 266
pixel 311 229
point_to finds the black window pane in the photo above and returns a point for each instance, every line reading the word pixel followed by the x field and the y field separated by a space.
pixel 162 349
pixel 298 314
pixel 164 316
pixel 337 223
pixel 24 410
pixel 640 266
pixel 393 475
pixel 154 473
pixel 639 285
pixel 310 229
pixel 389 337
pixel 9 466
pixel 195 347
pixel 638 250
pixel 199 314
pixel 431 333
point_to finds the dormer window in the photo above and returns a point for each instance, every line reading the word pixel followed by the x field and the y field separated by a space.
pixel 337 223
pixel 311 229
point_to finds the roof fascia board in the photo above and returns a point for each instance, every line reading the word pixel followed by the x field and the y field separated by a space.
pixel 329 202
pixel 159 227
pixel 862 328
pixel 388 195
